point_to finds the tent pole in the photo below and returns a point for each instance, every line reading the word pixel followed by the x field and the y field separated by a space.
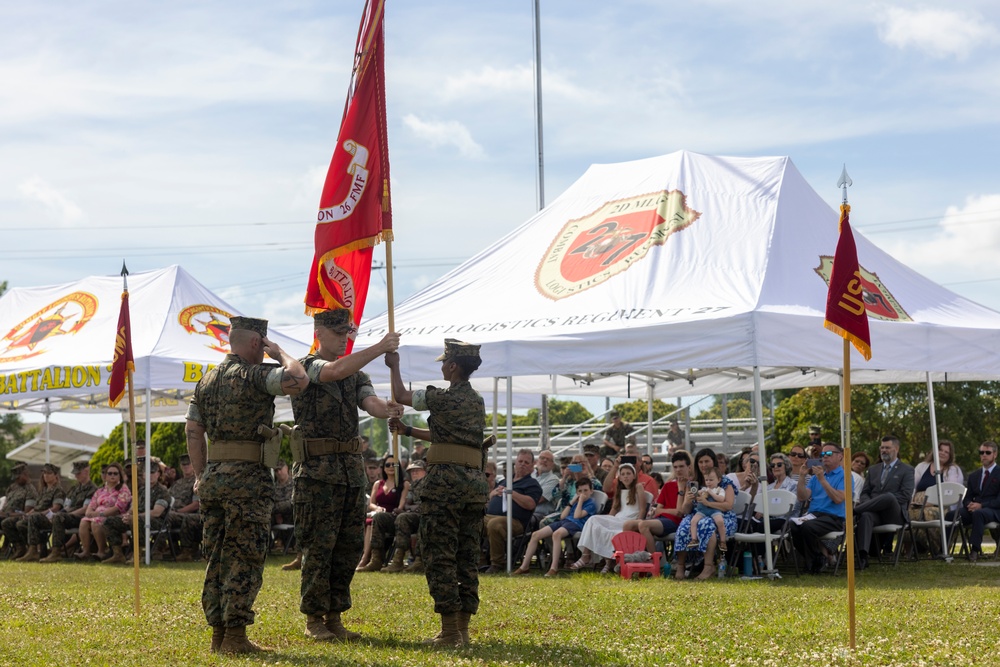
pixel 496 409
pixel 649 416
pixel 48 413
pixel 509 475
pixel 543 424
pixel 149 450
pixel 937 466
pixel 725 424
pixel 758 405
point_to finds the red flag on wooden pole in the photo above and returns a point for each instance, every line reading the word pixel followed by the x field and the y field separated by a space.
pixel 845 303
pixel 355 212
pixel 123 365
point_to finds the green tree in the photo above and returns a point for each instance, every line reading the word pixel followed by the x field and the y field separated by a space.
pixel 737 407
pixel 560 412
pixel 637 411
pixel 967 413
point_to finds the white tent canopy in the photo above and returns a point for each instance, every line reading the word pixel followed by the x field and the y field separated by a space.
pixel 689 270
pixel 59 341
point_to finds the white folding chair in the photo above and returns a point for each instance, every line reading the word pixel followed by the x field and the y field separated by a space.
pixel 951 494
pixel 780 502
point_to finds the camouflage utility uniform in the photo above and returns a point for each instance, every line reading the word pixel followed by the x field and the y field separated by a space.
pixel 78 497
pixel 329 492
pixel 116 526
pixel 20 499
pixel 621 435
pixel 282 501
pixel 230 402
pixel 452 498
pixel 188 524
pixel 32 525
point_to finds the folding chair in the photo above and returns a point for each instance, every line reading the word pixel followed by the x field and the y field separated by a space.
pixel 895 531
pixel 743 507
pixel 780 503
pixel 951 494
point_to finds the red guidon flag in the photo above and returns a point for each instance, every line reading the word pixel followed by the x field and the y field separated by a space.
pixel 845 302
pixel 123 363
pixel 354 211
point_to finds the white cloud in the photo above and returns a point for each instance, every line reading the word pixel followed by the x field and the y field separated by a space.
pixel 490 81
pixel 965 244
pixel 938 32
pixel 445 133
pixel 61 209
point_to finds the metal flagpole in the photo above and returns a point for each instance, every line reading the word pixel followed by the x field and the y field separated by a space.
pixel 135 471
pixel 538 105
pixel 509 477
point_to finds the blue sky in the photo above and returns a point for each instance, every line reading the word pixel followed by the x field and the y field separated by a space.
pixel 199 133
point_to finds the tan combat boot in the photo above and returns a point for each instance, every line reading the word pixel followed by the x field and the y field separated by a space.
pixel 30 556
pixel 340 633
pixel 397 562
pixel 116 556
pixel 450 636
pixel 463 626
pixel 374 565
pixel 316 629
pixel 19 551
pixel 55 555
pixel 294 565
pixel 416 567
pixel 236 641
pixel 218 634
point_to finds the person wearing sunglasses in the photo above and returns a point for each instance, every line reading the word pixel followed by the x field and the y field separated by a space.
pixel 981 504
pixel 825 492
pixel 884 497
pixel 797 455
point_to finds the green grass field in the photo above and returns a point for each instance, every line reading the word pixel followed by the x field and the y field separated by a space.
pixel 916 614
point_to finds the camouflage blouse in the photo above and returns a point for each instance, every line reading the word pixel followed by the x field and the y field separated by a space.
pixel 457 414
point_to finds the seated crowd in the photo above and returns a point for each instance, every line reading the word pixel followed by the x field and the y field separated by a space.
pixel 583 501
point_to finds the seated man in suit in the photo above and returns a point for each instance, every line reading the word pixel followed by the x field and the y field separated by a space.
pixel 884 497
pixel 981 504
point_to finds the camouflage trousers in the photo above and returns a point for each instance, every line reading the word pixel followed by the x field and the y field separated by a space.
pixel 188 526
pixel 283 512
pixel 235 537
pixel 35 525
pixel 10 529
pixel 62 522
pixel 407 524
pixel 452 499
pixel 115 528
pixel 330 529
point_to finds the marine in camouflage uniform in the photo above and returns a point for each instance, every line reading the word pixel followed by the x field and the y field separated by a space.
pixel 21 497
pixel 159 503
pixel 453 495
pixel 283 508
pixel 185 515
pixel 50 500
pixel 235 489
pixel 618 434
pixel 406 523
pixel 73 506
pixel 330 483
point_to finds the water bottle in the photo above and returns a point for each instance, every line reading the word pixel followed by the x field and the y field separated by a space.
pixel 722 568
pixel 760 565
pixel 747 564
pixel 666 568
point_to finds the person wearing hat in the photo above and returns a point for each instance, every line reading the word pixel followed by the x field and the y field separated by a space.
pixel 73 506
pixel 329 487
pixel 21 497
pixel 453 494
pixel 50 499
pixel 593 454
pixel 185 515
pixel 676 439
pixel 406 522
pixel 816 435
pixel 617 435
pixel 235 488
pixel 159 503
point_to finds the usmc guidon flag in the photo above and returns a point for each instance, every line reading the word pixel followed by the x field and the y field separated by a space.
pixel 355 213
pixel 123 362
pixel 845 302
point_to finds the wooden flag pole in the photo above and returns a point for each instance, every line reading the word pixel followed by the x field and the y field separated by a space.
pixel 390 309
pixel 135 505
pixel 848 491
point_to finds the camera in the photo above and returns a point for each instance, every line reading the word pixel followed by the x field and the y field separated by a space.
pixel 812 463
pixel 575 467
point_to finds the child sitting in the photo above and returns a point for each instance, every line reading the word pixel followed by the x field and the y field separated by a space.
pixel 710 493
pixel 571 522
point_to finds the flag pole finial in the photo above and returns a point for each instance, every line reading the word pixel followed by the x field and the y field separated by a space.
pixel 844 182
pixel 124 275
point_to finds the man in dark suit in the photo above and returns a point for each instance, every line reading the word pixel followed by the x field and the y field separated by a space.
pixel 884 497
pixel 981 504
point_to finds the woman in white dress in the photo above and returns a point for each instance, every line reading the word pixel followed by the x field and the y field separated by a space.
pixel 629 503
